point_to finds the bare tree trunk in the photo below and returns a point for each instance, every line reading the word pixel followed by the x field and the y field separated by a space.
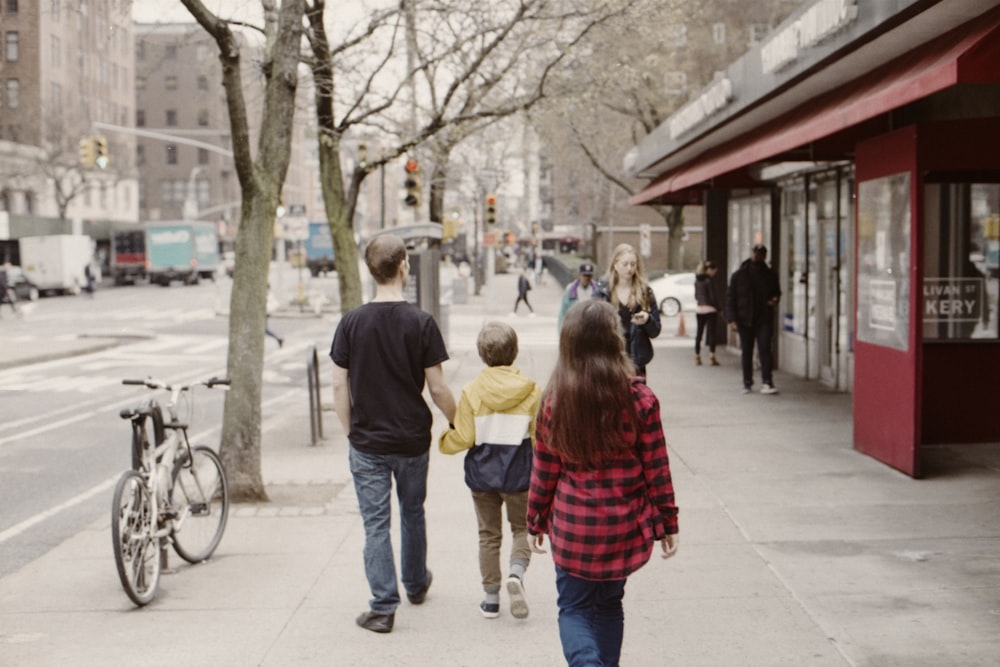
pixel 261 183
pixel 674 216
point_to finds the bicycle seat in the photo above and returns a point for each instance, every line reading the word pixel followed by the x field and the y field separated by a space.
pixel 154 412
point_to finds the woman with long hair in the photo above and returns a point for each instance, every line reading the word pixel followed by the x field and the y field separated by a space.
pixel 708 309
pixel 627 290
pixel 600 481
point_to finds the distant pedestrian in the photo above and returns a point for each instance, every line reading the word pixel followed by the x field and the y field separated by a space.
pixel 7 293
pixel 383 353
pixel 630 294
pixel 581 289
pixel 523 287
pixel 750 302
pixel 707 312
pixel 539 269
pixel 88 273
pixel 495 423
pixel 600 482
pixel 272 307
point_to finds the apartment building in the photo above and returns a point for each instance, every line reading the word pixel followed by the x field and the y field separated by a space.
pixel 65 65
pixel 184 148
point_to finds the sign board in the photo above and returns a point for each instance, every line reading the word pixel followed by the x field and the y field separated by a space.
pixel 490 239
pixel 953 299
pixel 296 228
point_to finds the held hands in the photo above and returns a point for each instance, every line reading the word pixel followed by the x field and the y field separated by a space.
pixel 640 318
pixel 669 545
pixel 535 542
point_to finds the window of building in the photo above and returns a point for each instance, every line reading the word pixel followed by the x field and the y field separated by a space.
pixel 171 154
pixel 170 53
pixel 140 50
pixel 12 50
pixel 170 83
pixel 719 33
pixel 203 117
pixel 54 51
pixel 140 118
pixel 13 94
pixel 202 83
pixel 54 9
pixel 29 202
pixel 140 84
pixel 961 261
pixel 202 156
pixel 140 155
pixel 171 117
pixel 758 31
pixel 11 6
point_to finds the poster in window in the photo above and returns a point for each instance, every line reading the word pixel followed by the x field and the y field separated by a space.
pixel 884 261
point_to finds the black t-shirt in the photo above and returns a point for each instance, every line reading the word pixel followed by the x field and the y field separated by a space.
pixel 385 347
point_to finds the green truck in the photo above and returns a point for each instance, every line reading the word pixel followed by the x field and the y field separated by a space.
pixel 181 250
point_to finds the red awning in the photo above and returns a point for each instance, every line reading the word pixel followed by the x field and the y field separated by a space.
pixel 969 54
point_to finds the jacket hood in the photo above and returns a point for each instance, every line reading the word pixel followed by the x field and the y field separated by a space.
pixel 501 388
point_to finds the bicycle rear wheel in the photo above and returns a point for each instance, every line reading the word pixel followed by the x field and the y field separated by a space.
pixel 200 496
pixel 133 522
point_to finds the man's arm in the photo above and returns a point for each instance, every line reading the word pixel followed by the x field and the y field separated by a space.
pixel 342 397
pixel 440 391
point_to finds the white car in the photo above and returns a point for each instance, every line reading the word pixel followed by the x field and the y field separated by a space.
pixel 674 292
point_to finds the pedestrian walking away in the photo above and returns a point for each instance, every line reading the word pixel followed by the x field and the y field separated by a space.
pixel 383 354
pixel 7 294
pixel 272 306
pixel 495 425
pixel 600 482
pixel 707 312
pixel 750 302
pixel 523 287
pixel 580 289
pixel 627 290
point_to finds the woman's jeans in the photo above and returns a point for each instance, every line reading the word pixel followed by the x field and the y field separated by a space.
pixel 591 620
pixel 706 326
pixel 373 484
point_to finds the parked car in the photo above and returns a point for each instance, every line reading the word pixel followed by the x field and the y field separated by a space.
pixel 674 291
pixel 24 289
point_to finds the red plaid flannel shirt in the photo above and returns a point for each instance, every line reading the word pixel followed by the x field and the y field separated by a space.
pixel 602 523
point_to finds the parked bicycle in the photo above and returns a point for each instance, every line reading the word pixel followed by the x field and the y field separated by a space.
pixel 175 493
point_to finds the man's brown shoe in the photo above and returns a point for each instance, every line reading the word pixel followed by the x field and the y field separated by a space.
pixel 421 595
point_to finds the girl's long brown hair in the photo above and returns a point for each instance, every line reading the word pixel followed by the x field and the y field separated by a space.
pixel 593 416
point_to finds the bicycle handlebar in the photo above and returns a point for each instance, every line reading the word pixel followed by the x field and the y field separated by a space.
pixel 159 384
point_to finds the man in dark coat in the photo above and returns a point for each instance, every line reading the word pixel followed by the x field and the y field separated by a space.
pixel 750 302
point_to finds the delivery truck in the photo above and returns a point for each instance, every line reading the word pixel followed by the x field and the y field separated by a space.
pixel 181 250
pixel 57 262
pixel 319 249
pixel 128 255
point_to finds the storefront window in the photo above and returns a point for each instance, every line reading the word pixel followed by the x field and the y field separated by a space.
pixel 961 244
pixel 793 207
pixel 884 261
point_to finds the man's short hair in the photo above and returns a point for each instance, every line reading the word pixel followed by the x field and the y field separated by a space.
pixel 383 255
pixel 497 344
pixel 761 248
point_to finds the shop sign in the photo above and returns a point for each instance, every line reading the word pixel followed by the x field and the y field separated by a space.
pixel 882 307
pixel 715 98
pixel 953 299
pixel 820 21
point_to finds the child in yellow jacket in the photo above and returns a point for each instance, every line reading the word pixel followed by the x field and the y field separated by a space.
pixel 495 423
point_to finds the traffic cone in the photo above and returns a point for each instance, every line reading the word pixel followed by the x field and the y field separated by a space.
pixel 681 329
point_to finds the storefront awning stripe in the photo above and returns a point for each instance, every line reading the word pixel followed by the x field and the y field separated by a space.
pixel 966 55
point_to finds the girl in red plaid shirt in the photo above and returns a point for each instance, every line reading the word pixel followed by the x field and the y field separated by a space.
pixel 600 482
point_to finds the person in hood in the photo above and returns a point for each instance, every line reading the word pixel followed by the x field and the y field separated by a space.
pixel 495 424
pixel 750 302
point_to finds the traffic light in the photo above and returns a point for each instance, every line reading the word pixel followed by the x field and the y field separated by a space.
pixel 412 184
pixel 101 151
pixel 87 151
pixel 491 209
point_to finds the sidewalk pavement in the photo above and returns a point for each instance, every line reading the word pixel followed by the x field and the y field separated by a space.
pixel 794 548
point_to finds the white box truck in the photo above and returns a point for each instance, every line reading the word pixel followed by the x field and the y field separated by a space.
pixel 57 263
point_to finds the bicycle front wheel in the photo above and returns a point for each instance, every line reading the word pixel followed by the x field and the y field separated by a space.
pixel 133 522
pixel 200 497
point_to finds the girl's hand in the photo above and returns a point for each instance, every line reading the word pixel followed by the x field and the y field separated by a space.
pixel 640 318
pixel 535 542
pixel 669 545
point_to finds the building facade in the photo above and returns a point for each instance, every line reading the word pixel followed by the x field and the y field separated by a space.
pixel 66 72
pixel 861 143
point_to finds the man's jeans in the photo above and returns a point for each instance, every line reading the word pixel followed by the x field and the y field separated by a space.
pixel 591 620
pixel 373 484
pixel 760 333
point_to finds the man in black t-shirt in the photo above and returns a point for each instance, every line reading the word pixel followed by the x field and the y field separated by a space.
pixel 383 352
